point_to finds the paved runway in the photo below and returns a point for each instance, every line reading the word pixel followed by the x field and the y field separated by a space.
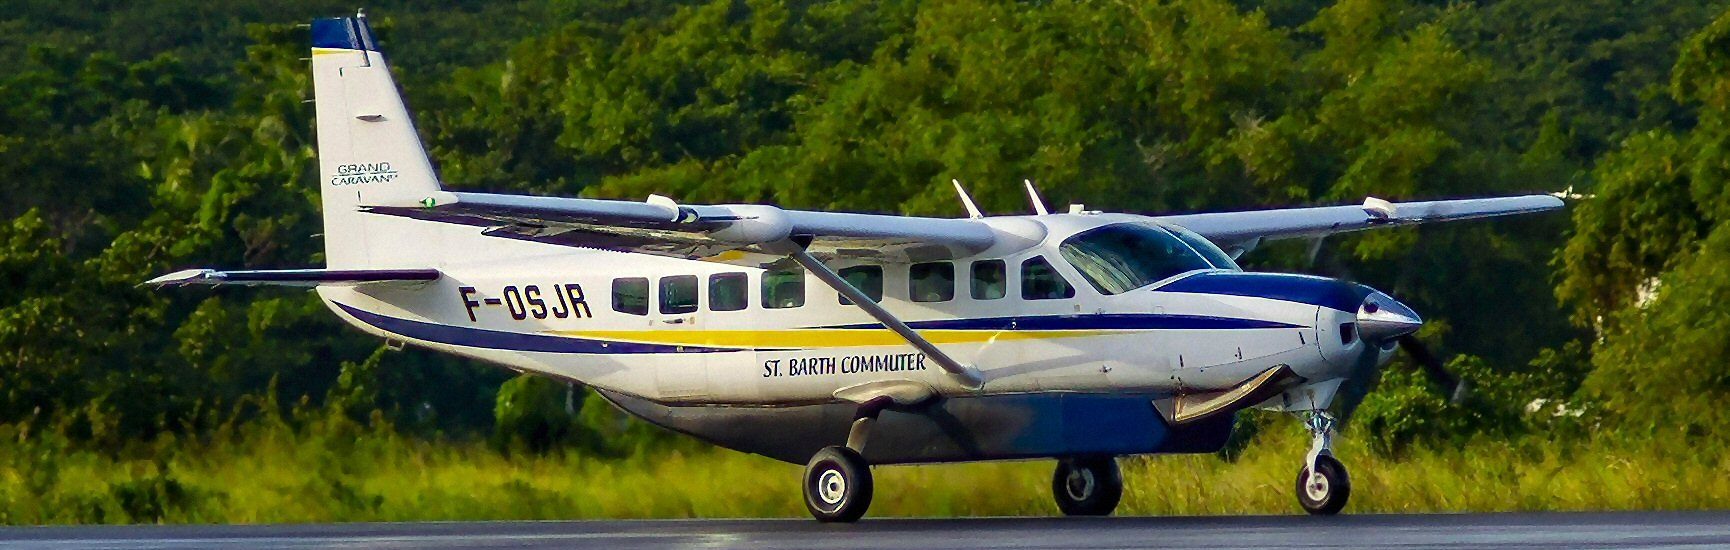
pixel 1577 530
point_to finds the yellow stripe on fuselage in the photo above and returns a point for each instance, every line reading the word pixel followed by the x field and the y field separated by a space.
pixel 816 338
pixel 332 51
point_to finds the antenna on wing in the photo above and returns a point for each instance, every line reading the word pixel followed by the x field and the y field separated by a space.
pixel 1033 195
pixel 972 209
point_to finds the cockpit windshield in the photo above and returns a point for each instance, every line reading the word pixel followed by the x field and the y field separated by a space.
pixel 1122 257
pixel 1206 247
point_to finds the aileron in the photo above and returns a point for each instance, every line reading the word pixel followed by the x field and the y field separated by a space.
pixel 1287 223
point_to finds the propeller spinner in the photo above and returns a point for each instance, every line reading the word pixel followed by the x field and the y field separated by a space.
pixel 1381 318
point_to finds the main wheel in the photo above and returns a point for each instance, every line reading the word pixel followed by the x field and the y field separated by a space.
pixel 1324 491
pixel 1088 486
pixel 837 485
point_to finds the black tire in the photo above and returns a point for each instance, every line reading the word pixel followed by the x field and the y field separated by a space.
pixel 837 485
pixel 1328 495
pixel 1088 486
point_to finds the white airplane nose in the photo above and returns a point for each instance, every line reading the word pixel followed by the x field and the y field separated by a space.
pixel 1382 318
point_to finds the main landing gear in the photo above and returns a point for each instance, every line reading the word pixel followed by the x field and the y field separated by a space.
pixel 1087 486
pixel 1322 484
pixel 837 485
pixel 837 479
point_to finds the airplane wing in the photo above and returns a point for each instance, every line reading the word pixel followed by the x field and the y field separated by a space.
pixel 294 277
pixel 1227 228
pixel 735 233
pixel 726 233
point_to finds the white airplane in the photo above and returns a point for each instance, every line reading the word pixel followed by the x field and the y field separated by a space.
pixel 843 340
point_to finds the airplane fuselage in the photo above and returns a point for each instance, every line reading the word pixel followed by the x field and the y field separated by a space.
pixel 683 331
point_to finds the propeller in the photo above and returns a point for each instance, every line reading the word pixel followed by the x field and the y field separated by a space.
pixel 1383 320
pixel 1376 336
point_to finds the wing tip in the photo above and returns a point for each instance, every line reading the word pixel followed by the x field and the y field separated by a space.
pixel 183 277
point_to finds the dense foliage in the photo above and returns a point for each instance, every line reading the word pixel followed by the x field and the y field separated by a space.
pixel 137 138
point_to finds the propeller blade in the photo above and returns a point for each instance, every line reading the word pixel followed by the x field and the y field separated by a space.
pixel 1357 385
pixel 1420 353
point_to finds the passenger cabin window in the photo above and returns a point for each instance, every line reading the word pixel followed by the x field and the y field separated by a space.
pixel 727 291
pixel 931 282
pixel 678 294
pixel 783 288
pixel 1123 257
pixel 1040 281
pixel 867 278
pixel 631 295
pixel 990 279
pixel 1206 247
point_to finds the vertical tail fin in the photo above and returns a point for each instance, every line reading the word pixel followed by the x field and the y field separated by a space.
pixel 368 151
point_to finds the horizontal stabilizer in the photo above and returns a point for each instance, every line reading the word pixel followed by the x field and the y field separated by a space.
pixel 294 277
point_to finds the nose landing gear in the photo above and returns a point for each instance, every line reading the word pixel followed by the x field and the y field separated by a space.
pixel 1087 486
pixel 1322 484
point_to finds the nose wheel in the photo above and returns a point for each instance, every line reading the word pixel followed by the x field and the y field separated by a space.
pixel 1087 486
pixel 1323 489
pixel 837 485
pixel 1322 484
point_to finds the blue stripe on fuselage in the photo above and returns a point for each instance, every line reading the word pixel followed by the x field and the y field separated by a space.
pixel 1098 321
pixel 1303 289
pixel 514 341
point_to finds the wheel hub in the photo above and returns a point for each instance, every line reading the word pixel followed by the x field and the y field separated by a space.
pixel 1079 484
pixel 1317 488
pixel 831 487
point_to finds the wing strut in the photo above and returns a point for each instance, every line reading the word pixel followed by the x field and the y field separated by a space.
pixel 967 375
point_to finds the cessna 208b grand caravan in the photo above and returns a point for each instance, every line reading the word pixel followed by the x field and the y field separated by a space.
pixel 843 340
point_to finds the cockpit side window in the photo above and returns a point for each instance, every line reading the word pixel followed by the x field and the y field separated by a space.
pixel 1122 257
pixel 1040 281
pixel 1206 247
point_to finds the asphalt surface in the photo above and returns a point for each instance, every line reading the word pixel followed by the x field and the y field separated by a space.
pixel 1558 530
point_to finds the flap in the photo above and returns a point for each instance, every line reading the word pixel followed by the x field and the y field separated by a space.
pixel 732 233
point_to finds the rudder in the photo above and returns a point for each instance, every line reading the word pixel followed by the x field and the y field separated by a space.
pixel 368 151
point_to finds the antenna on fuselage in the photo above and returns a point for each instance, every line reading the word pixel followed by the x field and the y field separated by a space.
pixel 1033 195
pixel 972 209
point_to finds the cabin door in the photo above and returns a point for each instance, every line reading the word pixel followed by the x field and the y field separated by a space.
pixel 677 315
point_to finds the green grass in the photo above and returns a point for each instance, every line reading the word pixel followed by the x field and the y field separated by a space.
pixel 275 474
